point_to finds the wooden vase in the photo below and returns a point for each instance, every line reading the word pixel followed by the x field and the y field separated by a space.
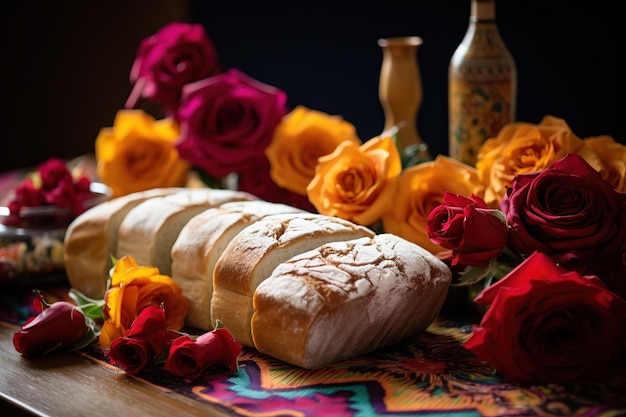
pixel 400 87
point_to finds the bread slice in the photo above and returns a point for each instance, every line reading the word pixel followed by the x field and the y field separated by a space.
pixel 200 243
pixel 252 255
pixel 345 299
pixel 91 240
pixel 149 230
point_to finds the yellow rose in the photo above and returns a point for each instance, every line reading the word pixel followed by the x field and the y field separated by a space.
pixel 608 158
pixel 299 140
pixel 138 154
pixel 356 182
pixel 134 287
pixel 522 148
pixel 420 189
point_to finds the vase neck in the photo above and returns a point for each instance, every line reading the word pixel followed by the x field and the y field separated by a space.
pixel 483 11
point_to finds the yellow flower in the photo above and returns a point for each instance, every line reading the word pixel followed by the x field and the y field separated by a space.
pixel 608 158
pixel 522 148
pixel 356 183
pixel 134 287
pixel 299 140
pixel 420 189
pixel 138 154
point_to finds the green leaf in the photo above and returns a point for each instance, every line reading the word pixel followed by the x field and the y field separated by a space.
pixel 471 275
pixel 90 307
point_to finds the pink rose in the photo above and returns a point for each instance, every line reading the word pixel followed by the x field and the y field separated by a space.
pixel 178 54
pixel 143 343
pixel 189 358
pixel 572 215
pixel 60 326
pixel 227 122
pixel 475 233
pixel 549 325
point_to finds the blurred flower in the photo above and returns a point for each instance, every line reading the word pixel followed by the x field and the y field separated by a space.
pixel 190 358
pixel 608 158
pixel 52 184
pixel 133 288
pixel 227 121
pixel 299 140
pixel 144 342
pixel 356 182
pixel 138 154
pixel 546 324
pixel 521 148
pixel 176 55
pixel 419 190
pixel 257 180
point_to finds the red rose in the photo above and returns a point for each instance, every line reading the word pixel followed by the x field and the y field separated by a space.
pixel 475 233
pixel 178 54
pixel 571 214
pixel 60 326
pixel 143 343
pixel 189 358
pixel 227 122
pixel 257 181
pixel 547 324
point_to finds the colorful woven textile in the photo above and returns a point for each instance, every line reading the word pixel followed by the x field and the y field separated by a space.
pixel 429 375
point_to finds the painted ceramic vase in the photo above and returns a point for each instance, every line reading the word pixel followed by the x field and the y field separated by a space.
pixel 482 85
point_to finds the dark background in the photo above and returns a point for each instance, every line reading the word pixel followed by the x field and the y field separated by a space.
pixel 65 66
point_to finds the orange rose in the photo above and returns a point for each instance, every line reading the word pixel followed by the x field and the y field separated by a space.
pixel 134 287
pixel 522 148
pixel 138 154
pixel 299 140
pixel 356 183
pixel 608 158
pixel 420 189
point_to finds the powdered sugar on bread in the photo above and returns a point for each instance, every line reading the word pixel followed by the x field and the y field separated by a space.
pixel 253 254
pixel 200 243
pixel 347 298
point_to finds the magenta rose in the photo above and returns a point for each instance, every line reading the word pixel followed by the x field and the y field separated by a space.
pixel 475 233
pixel 227 122
pixel 189 358
pixel 571 214
pixel 546 324
pixel 178 54
pixel 257 181
pixel 143 343
pixel 60 326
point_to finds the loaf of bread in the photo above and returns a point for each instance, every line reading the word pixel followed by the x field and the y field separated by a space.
pixel 149 230
pixel 201 242
pixel 345 299
pixel 91 240
pixel 255 251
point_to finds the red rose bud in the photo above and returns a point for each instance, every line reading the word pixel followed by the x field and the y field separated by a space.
pixel 190 358
pixel 60 326
pixel 143 343
pixel 475 233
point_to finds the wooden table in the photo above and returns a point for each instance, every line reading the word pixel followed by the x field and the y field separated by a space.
pixel 68 385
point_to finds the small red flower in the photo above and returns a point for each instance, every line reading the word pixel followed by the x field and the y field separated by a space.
pixel 61 326
pixel 189 358
pixel 143 343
